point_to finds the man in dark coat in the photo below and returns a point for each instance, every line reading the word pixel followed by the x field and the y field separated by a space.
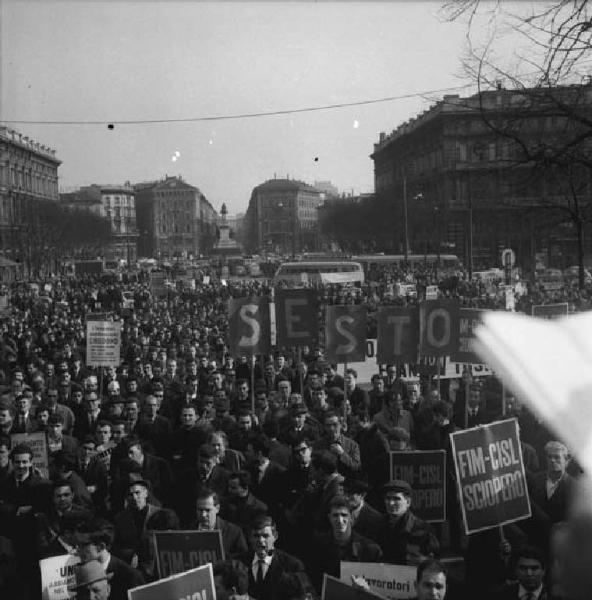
pixel 206 474
pixel 95 544
pixel 265 562
pixel 365 520
pixel 207 507
pixel 267 476
pixel 153 468
pixel 528 566
pixel 240 505
pixel 398 522
pixel 56 527
pixel 339 544
pixel 133 524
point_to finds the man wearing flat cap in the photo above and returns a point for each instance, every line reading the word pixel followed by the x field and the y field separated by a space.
pixel 298 428
pixel 398 522
pixel 92 582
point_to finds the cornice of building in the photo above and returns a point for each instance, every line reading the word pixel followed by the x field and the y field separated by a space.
pixel 24 142
pixel 500 99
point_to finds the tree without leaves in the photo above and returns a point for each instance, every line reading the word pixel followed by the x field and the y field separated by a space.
pixel 558 40
pixel 45 232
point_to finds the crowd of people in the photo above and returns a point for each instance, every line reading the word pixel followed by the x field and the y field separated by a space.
pixel 285 456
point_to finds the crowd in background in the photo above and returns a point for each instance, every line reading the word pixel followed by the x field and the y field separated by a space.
pixel 285 455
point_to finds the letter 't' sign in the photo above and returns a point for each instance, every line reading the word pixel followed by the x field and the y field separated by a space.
pixel 398 337
pixel 249 326
pixel 296 317
pixel 345 333
pixel 438 327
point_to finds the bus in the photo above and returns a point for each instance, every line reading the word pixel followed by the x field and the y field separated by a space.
pixel 446 263
pixel 334 271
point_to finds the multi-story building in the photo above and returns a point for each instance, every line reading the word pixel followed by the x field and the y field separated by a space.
pixel 171 215
pixel 458 169
pixel 237 226
pixel 116 203
pixel 208 223
pixel 327 189
pixel 28 175
pixel 282 217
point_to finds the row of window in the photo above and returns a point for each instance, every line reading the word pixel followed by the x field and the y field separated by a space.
pixel 29 180
pixel 123 200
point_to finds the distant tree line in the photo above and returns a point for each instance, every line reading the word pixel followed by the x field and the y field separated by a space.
pixel 44 232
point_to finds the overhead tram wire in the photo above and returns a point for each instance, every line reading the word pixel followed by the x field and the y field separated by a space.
pixel 240 116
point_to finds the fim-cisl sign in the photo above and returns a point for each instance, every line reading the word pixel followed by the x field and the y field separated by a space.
pixel 490 475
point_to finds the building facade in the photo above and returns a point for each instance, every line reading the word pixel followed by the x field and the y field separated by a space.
pixel 282 217
pixel 171 216
pixel 116 203
pixel 28 175
pixel 461 178
pixel 208 224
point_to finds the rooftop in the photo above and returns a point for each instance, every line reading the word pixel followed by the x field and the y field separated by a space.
pixel 286 184
pixel 23 141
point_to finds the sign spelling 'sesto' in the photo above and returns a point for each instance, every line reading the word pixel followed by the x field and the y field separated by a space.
pixel 296 317
pixel 249 326
pixel 397 335
pixel 438 327
pixel 345 333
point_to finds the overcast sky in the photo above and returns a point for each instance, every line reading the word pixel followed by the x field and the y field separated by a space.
pixel 124 61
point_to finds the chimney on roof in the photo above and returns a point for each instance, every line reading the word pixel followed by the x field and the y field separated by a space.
pixel 499 85
pixel 382 136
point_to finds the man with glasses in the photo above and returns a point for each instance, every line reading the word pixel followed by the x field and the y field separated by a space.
pixel 241 398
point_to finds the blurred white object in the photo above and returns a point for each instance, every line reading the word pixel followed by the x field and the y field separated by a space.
pixel 548 365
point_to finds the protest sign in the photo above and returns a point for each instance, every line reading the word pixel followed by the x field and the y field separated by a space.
pixel 438 327
pixel 158 283
pixel 425 471
pixel 453 370
pixel 365 369
pixel 509 297
pixel 395 582
pixel 57 573
pixel 38 444
pixel 469 320
pixel 296 317
pixel 4 303
pixel 551 311
pixel 179 551
pixel 103 343
pixel 490 475
pixel 334 589
pixel 197 584
pixel 345 333
pixel 249 326
pixel 431 292
pixel 397 335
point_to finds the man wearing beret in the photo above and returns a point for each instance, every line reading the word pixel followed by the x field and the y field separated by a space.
pixel 398 522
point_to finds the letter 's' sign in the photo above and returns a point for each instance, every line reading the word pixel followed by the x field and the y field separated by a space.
pixel 345 333
pixel 249 326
